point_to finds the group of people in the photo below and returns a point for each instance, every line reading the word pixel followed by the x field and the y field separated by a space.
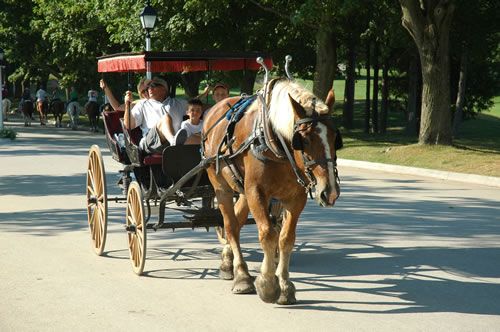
pixel 161 117
pixel 73 107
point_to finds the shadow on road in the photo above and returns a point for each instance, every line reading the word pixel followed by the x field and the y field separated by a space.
pixel 43 185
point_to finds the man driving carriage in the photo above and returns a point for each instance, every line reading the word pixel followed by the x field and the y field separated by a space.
pixel 159 117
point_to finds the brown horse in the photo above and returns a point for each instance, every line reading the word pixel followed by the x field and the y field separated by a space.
pixel 43 110
pixel 27 109
pixel 57 109
pixel 92 110
pixel 283 146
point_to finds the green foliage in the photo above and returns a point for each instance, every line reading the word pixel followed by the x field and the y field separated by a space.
pixel 8 133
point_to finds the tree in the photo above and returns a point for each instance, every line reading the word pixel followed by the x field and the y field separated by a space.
pixel 428 23
pixel 474 61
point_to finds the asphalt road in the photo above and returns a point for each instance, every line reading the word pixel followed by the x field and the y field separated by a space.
pixel 396 253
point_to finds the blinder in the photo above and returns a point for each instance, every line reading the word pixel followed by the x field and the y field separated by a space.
pixel 297 142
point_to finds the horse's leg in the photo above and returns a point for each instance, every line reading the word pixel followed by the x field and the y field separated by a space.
pixel 243 282
pixel 267 283
pixel 293 208
pixel 241 213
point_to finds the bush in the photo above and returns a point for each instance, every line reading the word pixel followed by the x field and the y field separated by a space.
pixel 8 133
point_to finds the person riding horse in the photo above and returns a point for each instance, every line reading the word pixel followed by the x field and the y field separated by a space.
pixel 42 104
pixel 56 107
pixel 92 109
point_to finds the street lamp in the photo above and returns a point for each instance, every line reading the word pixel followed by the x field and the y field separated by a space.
pixel 148 19
pixel 1 88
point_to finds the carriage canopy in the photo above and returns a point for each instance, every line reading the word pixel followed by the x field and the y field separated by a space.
pixel 181 61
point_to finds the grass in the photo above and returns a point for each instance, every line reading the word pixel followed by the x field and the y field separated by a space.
pixel 475 151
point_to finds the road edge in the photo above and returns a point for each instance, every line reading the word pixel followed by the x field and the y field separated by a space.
pixel 443 175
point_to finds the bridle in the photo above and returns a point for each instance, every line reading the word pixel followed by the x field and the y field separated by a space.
pixel 301 125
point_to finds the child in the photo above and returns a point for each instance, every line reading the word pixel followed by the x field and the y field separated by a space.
pixel 191 128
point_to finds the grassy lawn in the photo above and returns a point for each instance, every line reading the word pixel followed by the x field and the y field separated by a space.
pixel 476 150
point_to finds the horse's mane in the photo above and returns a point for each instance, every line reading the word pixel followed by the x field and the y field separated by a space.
pixel 281 112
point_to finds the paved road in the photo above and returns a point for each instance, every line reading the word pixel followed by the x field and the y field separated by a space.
pixel 397 253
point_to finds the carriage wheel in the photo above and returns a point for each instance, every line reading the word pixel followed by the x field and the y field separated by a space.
pixel 136 227
pixel 97 204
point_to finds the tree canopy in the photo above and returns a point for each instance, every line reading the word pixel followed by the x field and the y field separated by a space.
pixel 63 39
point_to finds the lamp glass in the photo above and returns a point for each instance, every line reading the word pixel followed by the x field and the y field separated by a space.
pixel 148 17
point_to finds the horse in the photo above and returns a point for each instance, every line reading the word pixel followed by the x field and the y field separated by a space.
pixel 27 109
pixel 6 105
pixel 92 110
pixel 284 145
pixel 56 107
pixel 43 109
pixel 73 111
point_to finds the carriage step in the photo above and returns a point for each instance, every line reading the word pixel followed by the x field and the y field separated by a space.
pixel 205 215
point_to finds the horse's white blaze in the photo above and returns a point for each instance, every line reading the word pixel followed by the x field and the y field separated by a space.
pixel 323 134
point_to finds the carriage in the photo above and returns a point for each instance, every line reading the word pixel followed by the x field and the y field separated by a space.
pixel 149 183
pixel 260 154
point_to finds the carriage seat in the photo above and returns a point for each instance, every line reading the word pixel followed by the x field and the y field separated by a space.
pixel 132 139
pixel 153 159
pixel 113 127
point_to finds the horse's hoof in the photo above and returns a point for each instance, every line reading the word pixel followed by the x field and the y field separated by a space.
pixel 268 290
pixel 226 272
pixel 287 295
pixel 243 285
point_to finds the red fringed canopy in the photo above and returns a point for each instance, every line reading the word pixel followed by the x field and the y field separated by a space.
pixel 181 61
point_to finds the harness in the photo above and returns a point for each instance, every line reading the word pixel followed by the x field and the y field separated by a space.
pixel 263 139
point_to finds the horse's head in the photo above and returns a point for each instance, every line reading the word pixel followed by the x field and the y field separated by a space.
pixel 317 140
pixel 313 136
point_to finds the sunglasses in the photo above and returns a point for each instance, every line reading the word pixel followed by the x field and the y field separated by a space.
pixel 154 85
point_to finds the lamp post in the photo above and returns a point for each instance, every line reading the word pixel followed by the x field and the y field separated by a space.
pixel 148 19
pixel 1 88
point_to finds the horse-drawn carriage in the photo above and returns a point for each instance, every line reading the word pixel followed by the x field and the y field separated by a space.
pixel 244 138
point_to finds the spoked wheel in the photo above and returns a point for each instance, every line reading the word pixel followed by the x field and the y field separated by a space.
pixel 136 228
pixel 97 204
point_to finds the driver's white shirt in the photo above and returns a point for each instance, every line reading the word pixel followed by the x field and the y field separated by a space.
pixel 147 113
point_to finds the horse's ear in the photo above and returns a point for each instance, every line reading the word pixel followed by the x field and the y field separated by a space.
pixel 299 111
pixel 330 99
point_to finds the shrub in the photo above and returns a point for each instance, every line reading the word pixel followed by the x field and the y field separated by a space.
pixel 8 133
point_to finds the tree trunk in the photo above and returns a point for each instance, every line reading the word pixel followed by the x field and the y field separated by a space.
pixel 413 94
pixel 459 112
pixel 248 81
pixel 368 88
pixel 348 112
pixel 326 61
pixel 385 97
pixel 428 23
pixel 191 83
pixel 376 68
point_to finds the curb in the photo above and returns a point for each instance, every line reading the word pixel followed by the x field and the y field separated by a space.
pixel 460 177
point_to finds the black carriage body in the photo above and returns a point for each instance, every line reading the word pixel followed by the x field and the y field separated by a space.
pixel 176 176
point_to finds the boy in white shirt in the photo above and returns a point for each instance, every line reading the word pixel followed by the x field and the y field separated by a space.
pixel 190 130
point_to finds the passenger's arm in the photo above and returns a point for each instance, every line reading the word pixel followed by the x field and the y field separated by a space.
pixel 205 92
pixel 128 119
pixel 111 98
